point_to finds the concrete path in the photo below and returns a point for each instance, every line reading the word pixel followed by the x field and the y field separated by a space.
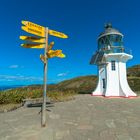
pixel 85 118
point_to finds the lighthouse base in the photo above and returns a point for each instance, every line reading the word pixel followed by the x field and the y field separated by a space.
pixel 112 80
pixel 114 96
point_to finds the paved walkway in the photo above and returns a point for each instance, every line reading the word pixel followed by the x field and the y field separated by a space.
pixel 85 118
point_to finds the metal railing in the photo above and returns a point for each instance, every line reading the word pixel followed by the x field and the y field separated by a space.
pixel 117 50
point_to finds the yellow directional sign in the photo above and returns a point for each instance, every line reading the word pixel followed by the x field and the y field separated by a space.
pixel 50 45
pixel 33 25
pixel 32 39
pixel 42 57
pixel 55 53
pixel 57 34
pixel 33 46
pixel 33 31
pixel 42 42
pixel 61 55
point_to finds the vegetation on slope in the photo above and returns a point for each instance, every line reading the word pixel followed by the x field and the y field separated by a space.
pixel 134 71
pixel 79 84
pixel 133 74
pixel 32 92
pixel 66 89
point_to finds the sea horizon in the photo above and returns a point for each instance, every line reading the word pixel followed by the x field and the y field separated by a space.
pixel 6 87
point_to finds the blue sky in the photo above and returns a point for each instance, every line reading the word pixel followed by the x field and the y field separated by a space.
pixel 81 20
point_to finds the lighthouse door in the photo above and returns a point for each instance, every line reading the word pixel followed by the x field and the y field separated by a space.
pixel 102 76
pixel 104 84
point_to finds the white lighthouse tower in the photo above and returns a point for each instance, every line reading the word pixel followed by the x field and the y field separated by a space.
pixel 111 58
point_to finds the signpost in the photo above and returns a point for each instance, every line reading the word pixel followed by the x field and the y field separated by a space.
pixel 43 113
pixel 42 42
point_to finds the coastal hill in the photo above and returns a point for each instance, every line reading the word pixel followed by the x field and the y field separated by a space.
pixel 133 75
pixel 88 83
pixel 78 84
pixel 66 89
pixel 134 71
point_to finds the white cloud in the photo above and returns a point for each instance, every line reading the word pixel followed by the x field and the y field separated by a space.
pixel 62 74
pixel 13 66
pixel 7 78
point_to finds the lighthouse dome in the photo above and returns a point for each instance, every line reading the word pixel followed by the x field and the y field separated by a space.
pixel 111 40
pixel 109 31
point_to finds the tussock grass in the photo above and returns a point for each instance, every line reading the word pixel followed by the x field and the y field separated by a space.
pixel 9 107
pixel 64 90
pixel 16 96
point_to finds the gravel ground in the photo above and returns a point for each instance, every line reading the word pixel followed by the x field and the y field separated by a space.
pixel 85 118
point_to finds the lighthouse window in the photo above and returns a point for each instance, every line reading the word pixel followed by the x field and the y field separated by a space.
pixel 113 67
pixel 116 40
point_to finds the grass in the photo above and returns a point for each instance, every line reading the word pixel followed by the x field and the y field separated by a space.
pixel 12 99
pixel 62 91
pixel 16 96
pixel 57 96
pixel 9 107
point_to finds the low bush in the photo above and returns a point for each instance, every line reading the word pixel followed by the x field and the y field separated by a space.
pixel 17 95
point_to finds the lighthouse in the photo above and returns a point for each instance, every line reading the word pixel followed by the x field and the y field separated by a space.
pixel 110 58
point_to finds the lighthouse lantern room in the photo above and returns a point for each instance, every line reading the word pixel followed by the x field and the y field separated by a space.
pixel 111 58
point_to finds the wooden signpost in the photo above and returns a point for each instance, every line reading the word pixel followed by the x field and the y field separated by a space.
pixel 41 42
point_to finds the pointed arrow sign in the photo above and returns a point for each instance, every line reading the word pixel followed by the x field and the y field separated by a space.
pixel 57 34
pixel 61 55
pixel 33 39
pixel 33 46
pixel 42 57
pixel 55 53
pixel 50 45
pixel 33 30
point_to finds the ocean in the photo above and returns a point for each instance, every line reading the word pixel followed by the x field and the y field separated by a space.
pixel 9 87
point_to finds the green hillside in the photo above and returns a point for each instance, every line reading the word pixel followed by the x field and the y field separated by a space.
pixel 134 71
pixel 65 89
pixel 79 84
pixel 133 74
pixel 86 84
